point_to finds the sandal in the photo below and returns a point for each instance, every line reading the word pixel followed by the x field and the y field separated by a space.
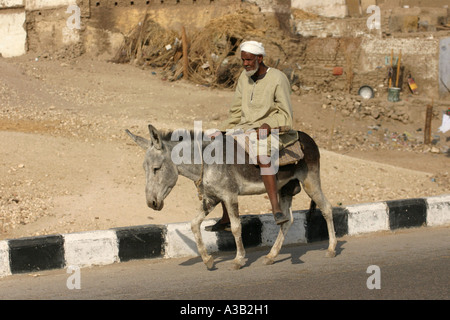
pixel 219 226
pixel 280 218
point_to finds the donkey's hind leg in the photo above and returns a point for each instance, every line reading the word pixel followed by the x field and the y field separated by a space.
pixel 286 194
pixel 312 187
pixel 205 208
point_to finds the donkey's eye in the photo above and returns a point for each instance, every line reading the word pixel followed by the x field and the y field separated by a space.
pixel 155 169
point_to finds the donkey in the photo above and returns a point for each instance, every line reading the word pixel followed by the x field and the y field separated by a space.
pixel 224 182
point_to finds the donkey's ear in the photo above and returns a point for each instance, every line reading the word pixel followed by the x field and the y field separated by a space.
pixel 142 142
pixel 155 138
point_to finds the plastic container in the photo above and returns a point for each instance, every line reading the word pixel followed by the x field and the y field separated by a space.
pixel 393 94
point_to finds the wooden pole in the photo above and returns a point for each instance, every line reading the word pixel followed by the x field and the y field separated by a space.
pixel 398 69
pixel 185 53
pixel 427 132
pixel 330 141
pixel 392 58
pixel 3 224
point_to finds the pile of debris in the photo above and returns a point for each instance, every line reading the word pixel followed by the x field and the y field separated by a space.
pixel 360 108
pixel 148 43
pixel 213 51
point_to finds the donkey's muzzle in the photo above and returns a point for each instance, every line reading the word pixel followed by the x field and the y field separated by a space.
pixel 155 205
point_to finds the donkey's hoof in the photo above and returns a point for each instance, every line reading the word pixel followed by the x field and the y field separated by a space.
pixel 330 254
pixel 237 264
pixel 268 261
pixel 209 263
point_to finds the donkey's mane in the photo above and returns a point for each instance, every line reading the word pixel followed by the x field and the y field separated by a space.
pixel 166 134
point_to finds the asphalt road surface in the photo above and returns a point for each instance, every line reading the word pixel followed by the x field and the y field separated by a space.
pixel 406 264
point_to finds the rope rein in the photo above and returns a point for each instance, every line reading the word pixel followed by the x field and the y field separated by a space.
pixel 200 179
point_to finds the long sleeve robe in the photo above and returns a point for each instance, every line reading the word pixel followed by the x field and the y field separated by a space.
pixel 267 100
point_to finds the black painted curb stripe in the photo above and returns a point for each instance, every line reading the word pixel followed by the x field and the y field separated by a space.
pixel 35 254
pixel 149 241
pixel 407 213
pixel 316 226
pixel 141 242
pixel 251 234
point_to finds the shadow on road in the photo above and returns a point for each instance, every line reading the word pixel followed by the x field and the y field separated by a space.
pixel 255 254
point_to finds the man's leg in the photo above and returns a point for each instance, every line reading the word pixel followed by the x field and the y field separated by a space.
pixel 270 183
pixel 225 218
pixel 223 223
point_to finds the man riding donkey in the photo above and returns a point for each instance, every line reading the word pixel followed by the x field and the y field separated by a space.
pixel 261 102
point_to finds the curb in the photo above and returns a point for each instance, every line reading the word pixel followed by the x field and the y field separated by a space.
pixel 176 240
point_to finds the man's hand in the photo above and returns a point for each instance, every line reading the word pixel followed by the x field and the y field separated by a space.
pixel 212 134
pixel 263 131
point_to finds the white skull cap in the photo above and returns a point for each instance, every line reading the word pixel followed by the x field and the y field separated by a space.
pixel 253 47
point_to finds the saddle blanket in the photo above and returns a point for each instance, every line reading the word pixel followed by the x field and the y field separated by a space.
pixel 253 147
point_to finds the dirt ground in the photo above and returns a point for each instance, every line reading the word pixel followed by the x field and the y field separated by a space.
pixel 67 165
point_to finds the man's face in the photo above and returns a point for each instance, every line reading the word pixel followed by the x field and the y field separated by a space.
pixel 250 62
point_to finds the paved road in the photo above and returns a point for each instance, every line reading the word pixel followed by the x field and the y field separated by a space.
pixel 413 264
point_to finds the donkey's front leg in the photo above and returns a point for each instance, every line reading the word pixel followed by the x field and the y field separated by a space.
pixel 205 209
pixel 236 229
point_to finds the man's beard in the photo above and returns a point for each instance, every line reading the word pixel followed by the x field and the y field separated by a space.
pixel 252 72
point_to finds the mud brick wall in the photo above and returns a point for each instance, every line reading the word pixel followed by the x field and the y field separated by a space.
pixel 420 57
pixel 363 63
pixel 121 15
pixel 104 23
pixel 110 20
pixel 323 27
pixel 321 56
pixel 47 30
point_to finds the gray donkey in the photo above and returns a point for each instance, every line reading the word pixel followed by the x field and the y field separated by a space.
pixel 223 182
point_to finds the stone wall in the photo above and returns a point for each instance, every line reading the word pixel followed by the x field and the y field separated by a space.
pixel 12 32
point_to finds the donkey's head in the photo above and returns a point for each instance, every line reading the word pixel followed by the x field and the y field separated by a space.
pixel 160 171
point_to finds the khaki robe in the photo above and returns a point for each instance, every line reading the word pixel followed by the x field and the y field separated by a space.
pixel 267 100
